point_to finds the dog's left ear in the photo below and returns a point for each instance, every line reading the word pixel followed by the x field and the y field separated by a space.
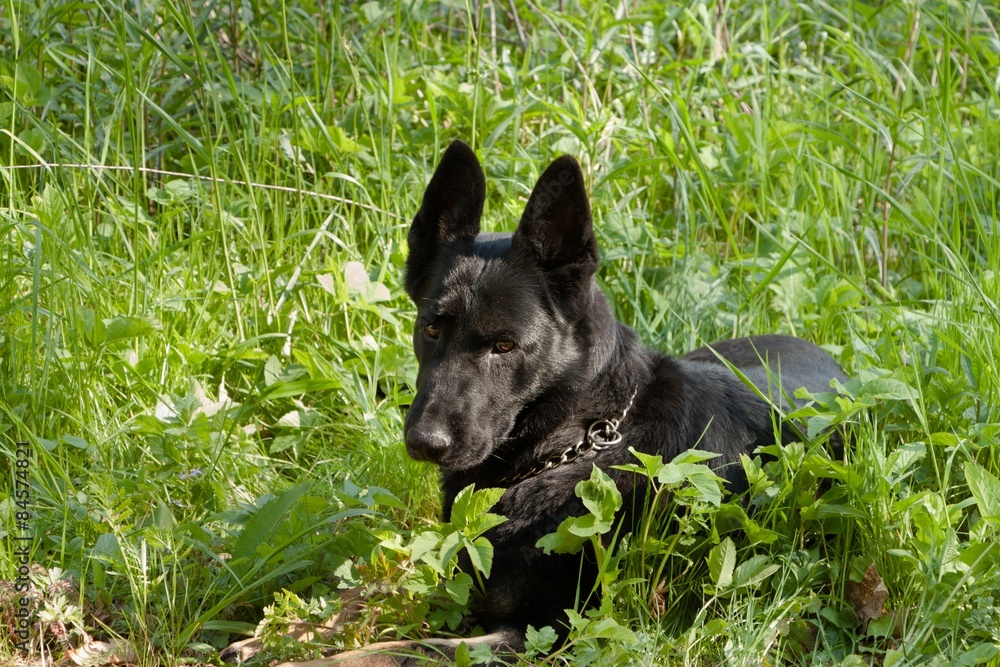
pixel 557 230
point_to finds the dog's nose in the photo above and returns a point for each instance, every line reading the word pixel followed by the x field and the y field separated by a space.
pixel 426 445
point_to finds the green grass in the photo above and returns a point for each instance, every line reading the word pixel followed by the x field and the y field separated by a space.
pixel 192 196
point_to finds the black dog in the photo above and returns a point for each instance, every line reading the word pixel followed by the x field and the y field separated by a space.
pixel 520 356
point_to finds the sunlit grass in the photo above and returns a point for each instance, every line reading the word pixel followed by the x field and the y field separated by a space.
pixel 186 193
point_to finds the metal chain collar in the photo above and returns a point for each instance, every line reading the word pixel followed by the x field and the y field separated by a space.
pixel 600 435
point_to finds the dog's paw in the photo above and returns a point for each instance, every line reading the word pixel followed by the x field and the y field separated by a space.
pixel 406 653
pixel 383 654
pixel 246 649
pixel 241 651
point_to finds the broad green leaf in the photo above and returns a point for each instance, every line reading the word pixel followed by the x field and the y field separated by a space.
pixel 470 508
pixel 708 484
pixel 298 387
pixel 697 475
pixel 483 522
pixel 462 657
pixel 340 138
pixel 650 463
pixel 692 456
pixel 944 439
pixel 539 642
pixel 272 370
pixel 162 517
pixel 22 81
pixel 384 498
pixel 587 525
pixel 887 389
pixel 601 497
pixel 564 540
pixel 609 628
pixel 107 549
pixel 985 489
pixel 753 572
pixel 714 627
pixel 830 510
pixel 450 545
pixel 74 441
pixel 31 141
pixel 92 330
pixel 264 523
pixel 721 563
pixel 894 658
pixel 284 442
pixel 459 587
pixel 424 543
pixel 481 555
pixel 977 554
pixel 819 424
pixel 481 653
pixel 391 540
pixel 422 580
pixel 123 328
pixel 979 654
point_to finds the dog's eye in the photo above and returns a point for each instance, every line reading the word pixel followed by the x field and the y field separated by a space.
pixel 432 331
pixel 503 346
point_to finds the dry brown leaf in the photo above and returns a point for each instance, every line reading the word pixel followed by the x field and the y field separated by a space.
pixel 868 596
pixel 100 653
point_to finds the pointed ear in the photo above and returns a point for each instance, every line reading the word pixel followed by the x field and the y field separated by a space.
pixel 557 230
pixel 556 224
pixel 452 206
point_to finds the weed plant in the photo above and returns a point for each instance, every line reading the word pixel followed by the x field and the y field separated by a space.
pixel 205 343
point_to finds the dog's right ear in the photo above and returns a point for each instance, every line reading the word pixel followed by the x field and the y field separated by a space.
pixel 452 206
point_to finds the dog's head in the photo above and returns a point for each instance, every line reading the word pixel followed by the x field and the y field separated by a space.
pixel 502 319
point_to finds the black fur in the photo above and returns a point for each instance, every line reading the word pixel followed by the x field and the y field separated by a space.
pixel 485 414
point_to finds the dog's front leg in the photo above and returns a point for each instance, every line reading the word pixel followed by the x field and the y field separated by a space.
pixel 407 653
pixel 353 601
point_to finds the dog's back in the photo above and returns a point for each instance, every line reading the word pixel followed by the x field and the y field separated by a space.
pixel 769 359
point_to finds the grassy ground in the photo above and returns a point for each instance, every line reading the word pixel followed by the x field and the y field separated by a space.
pixel 204 339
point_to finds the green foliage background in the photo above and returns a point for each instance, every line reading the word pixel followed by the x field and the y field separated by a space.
pixel 204 339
